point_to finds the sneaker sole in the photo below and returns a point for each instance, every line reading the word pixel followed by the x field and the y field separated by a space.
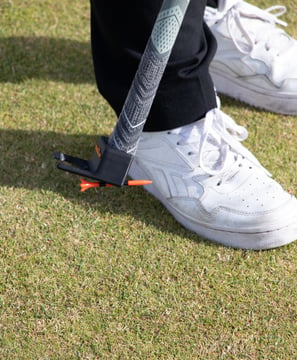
pixel 241 240
pixel 240 90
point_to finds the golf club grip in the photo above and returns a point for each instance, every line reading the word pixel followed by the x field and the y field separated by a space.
pixel 135 111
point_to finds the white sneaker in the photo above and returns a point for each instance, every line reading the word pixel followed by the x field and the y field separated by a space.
pixel 214 186
pixel 255 60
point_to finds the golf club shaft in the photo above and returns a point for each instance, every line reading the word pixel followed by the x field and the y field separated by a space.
pixel 135 111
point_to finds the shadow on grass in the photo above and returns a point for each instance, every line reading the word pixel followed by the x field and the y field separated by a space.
pixel 26 162
pixel 45 58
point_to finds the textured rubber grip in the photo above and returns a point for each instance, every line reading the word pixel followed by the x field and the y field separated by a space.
pixel 128 129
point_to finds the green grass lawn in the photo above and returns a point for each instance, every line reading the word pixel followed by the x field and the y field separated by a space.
pixel 109 274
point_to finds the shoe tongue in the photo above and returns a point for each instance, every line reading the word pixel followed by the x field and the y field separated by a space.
pixel 215 154
pixel 272 35
pixel 258 23
pixel 225 5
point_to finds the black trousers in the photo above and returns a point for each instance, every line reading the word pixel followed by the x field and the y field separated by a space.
pixel 119 33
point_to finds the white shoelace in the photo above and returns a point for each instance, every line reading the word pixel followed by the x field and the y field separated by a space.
pixel 222 132
pixel 235 11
